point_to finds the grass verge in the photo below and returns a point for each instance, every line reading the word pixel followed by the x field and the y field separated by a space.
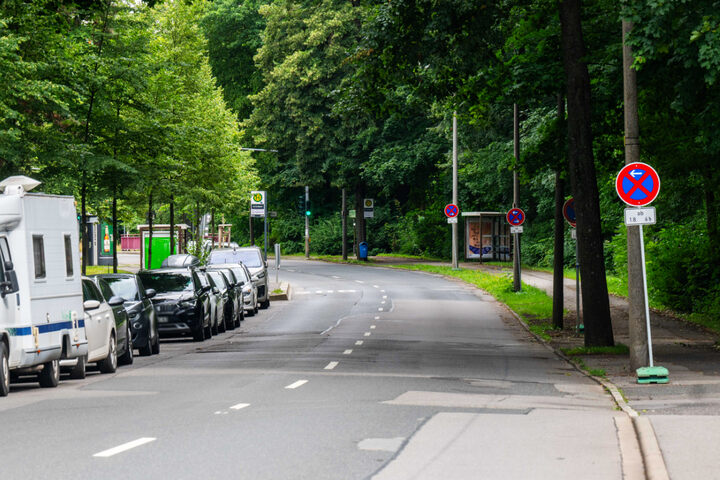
pixel 532 304
pixel 98 269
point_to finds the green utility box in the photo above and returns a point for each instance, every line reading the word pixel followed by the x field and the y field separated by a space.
pixel 160 249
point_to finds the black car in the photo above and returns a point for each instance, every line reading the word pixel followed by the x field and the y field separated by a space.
pixel 139 307
pixel 235 292
pixel 181 302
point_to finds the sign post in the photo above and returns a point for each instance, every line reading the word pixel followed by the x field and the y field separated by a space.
pixel 451 212
pixel 638 184
pixel 516 217
pixel 258 208
pixel 368 208
pixel 570 217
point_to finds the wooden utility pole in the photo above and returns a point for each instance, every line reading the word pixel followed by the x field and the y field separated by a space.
pixel 172 224
pixel 115 229
pixel 637 328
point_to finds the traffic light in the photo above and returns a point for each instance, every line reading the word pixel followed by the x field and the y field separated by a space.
pixel 308 208
pixel 301 204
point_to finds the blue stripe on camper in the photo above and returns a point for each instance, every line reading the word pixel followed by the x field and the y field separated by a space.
pixel 43 328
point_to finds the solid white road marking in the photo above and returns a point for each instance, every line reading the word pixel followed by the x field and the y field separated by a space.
pixel 331 365
pixel 330 291
pixel 372 327
pixel 297 384
pixel 336 277
pixel 347 352
pixel 239 406
pixel 318 291
pixel 359 281
pixel 124 447
pixel 347 291
pixel 221 412
pixel 376 286
pixel 302 293
pixel 359 342
pixel 367 334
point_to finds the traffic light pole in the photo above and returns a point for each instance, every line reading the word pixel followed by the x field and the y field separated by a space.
pixel 307 223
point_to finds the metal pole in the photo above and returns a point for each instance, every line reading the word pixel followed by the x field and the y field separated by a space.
pixel 266 228
pixel 645 293
pixel 517 281
pixel 307 224
pixel 454 191
pixel 578 321
pixel 344 226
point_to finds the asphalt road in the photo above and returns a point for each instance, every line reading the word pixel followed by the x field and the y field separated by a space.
pixel 365 373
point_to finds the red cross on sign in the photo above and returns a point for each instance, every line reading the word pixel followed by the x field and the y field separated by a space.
pixel 451 210
pixel 637 184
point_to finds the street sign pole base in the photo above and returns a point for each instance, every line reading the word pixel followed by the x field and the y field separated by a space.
pixel 652 374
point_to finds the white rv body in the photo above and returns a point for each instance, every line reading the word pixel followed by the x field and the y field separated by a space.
pixel 42 321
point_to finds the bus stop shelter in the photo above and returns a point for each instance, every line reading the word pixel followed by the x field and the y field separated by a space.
pixel 487 236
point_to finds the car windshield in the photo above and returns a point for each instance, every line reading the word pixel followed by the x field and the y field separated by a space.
pixel 219 280
pixel 122 287
pixel 168 282
pixel 240 274
pixel 251 258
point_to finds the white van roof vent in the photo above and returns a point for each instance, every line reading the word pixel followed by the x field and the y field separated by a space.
pixel 18 184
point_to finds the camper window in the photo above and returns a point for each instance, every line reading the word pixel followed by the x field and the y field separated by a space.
pixel 68 256
pixel 39 256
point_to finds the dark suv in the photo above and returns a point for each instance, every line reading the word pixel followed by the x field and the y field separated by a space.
pixel 252 258
pixel 143 320
pixel 181 302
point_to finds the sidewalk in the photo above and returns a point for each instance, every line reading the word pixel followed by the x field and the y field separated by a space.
pixel 684 413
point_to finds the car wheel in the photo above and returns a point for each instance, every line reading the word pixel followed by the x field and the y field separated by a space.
pixel 4 371
pixel 156 345
pixel 199 334
pixel 222 327
pixel 127 357
pixel 240 316
pixel 216 329
pixel 109 363
pixel 49 376
pixel 146 350
pixel 265 304
pixel 230 321
pixel 255 310
pixel 78 371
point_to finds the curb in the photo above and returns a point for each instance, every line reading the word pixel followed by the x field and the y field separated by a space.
pixel 284 295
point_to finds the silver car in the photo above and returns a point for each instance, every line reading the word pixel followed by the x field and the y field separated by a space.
pixel 252 258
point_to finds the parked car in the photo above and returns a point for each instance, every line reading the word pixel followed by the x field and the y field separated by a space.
pixel 227 314
pixel 139 308
pixel 235 293
pixel 181 302
pixel 252 258
pixel 249 289
pixel 181 260
pixel 41 311
pixel 104 331
pixel 217 302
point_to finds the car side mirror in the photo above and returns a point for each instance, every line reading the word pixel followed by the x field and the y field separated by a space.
pixel 91 304
pixel 116 301
pixel 265 262
pixel 9 265
pixel 241 283
pixel 10 285
pixel 150 292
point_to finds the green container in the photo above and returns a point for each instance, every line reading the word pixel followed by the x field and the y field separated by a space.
pixel 160 250
pixel 652 375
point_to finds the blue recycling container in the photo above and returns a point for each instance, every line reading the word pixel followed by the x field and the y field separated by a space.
pixel 363 250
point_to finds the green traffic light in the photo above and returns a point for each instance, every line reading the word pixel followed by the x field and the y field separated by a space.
pixel 307 213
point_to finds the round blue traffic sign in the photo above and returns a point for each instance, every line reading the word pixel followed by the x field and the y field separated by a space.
pixel 637 184
pixel 515 217
pixel 451 210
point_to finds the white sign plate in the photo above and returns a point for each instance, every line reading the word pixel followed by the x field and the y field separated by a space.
pixel 516 229
pixel 452 220
pixel 640 216
pixel 258 203
pixel 573 234
pixel 369 208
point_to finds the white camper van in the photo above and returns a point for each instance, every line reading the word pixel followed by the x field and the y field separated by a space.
pixel 41 303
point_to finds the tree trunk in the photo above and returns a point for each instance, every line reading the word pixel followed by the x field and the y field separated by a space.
pixel 596 305
pixel 115 229
pixel 83 224
pixel 150 231
pixel 359 217
pixel 172 224
pixel 559 230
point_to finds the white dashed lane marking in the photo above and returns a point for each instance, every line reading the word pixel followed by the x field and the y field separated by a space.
pixel 367 334
pixel 347 352
pixel 240 406
pixel 124 447
pixel 372 327
pixel 331 365
pixel 359 342
pixel 297 384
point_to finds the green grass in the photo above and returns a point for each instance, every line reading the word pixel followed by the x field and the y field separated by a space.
pixel 98 269
pixel 414 257
pixel 533 305
pixel 618 349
